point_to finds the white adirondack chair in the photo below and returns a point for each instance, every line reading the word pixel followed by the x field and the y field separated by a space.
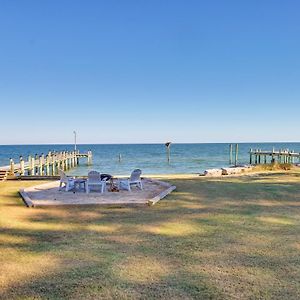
pixel 94 180
pixel 135 179
pixel 65 181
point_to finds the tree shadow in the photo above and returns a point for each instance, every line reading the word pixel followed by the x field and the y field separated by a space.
pixel 206 240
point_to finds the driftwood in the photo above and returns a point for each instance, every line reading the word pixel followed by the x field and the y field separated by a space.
pixel 227 171
pixel 236 170
pixel 213 172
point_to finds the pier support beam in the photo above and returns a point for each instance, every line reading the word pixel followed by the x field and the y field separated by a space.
pixel 236 154
pixel 230 154
pixel 22 166
pixel 11 167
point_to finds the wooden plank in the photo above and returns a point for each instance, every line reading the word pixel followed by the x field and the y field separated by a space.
pixel 162 195
pixel 26 198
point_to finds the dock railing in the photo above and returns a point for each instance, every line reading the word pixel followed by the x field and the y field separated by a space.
pixel 45 165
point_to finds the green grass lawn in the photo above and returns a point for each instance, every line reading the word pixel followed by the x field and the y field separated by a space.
pixel 233 238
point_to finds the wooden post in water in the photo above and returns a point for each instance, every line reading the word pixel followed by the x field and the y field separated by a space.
pixel 22 166
pixel 36 162
pixel 55 163
pixel 58 162
pixel 250 160
pixel 89 158
pixel 230 154
pixel 120 157
pixel 256 156
pixel 66 160
pixel 51 163
pixel 29 165
pixel 69 159
pixel 47 167
pixel 168 145
pixel 77 158
pixel 62 157
pixel 11 167
pixel 53 167
pixel 62 161
pixel 73 159
pixel 236 154
pixel 41 165
pixel 32 165
pixel 279 156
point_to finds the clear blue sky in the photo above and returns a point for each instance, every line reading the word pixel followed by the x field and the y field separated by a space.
pixel 149 71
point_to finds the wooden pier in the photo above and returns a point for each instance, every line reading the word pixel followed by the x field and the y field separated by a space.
pixel 283 156
pixel 44 165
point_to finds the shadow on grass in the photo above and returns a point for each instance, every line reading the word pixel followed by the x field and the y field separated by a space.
pixel 210 239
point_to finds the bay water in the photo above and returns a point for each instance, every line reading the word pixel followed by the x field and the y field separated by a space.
pixel 151 158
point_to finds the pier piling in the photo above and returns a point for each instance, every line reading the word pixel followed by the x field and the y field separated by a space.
pixel 236 154
pixel 230 154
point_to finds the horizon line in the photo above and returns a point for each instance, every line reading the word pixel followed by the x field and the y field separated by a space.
pixel 156 143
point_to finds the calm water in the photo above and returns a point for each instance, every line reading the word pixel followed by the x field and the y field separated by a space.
pixel 151 158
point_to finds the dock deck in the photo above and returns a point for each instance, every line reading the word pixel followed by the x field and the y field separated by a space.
pixel 259 156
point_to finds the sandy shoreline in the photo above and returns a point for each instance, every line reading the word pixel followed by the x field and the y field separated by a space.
pixel 190 176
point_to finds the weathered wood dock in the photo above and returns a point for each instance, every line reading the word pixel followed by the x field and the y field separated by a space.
pixel 44 165
pixel 258 156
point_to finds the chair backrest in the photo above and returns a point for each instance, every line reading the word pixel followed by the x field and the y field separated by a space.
pixel 135 175
pixel 94 176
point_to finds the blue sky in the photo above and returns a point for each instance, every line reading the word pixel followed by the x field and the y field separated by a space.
pixel 149 71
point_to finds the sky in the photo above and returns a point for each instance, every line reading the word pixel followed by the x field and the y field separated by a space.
pixel 149 71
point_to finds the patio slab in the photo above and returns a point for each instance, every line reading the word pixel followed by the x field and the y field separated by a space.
pixel 48 194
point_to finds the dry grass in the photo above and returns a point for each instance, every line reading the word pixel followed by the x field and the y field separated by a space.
pixel 212 239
